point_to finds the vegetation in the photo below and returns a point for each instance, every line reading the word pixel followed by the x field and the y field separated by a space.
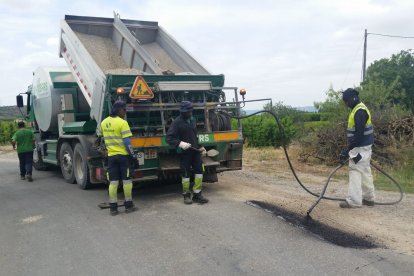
pixel 7 130
pixel 389 94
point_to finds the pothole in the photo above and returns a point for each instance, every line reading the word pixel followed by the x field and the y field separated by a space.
pixel 323 231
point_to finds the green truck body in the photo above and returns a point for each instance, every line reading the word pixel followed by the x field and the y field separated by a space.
pixel 105 57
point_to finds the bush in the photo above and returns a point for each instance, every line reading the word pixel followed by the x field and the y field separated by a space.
pixel 7 130
pixel 314 126
pixel 263 131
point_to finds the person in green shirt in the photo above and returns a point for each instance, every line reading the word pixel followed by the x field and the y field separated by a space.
pixel 23 139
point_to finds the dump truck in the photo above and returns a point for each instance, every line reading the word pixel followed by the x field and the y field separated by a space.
pixel 110 59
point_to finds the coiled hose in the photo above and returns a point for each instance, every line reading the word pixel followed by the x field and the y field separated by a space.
pixel 322 194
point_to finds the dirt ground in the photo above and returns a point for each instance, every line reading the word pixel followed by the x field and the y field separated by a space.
pixel 270 180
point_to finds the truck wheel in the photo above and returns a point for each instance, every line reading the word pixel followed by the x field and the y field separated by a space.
pixel 66 162
pixel 80 167
pixel 38 163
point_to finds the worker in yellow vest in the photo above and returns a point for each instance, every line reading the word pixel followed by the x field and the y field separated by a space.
pixel 116 133
pixel 360 134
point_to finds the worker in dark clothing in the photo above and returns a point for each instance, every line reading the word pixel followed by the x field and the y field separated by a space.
pixel 24 140
pixel 116 133
pixel 183 135
pixel 360 134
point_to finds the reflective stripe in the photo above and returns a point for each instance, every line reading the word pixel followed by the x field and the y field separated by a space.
pixel 113 140
pixel 368 132
pixel 368 136
pixel 112 137
pixel 114 144
pixel 114 129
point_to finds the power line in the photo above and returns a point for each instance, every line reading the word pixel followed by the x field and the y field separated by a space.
pixel 365 50
pixel 398 36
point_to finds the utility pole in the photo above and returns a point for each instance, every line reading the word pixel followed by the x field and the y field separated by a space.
pixel 364 61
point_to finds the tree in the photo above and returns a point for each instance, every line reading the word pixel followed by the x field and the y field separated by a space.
pixel 333 105
pixel 282 111
pixel 397 74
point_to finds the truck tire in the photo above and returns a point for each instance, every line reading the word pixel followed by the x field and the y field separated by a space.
pixel 80 166
pixel 38 163
pixel 66 162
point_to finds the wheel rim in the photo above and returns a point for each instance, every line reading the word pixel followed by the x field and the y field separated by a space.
pixel 35 156
pixel 67 163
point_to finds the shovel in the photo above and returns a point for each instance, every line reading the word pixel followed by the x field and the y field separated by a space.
pixel 209 153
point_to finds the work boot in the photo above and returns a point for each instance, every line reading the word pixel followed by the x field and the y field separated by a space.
pixel 345 204
pixel 113 209
pixel 187 198
pixel 29 178
pixel 22 178
pixel 368 203
pixel 199 198
pixel 130 207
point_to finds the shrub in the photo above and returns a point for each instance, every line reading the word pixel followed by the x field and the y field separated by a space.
pixel 262 131
pixel 7 130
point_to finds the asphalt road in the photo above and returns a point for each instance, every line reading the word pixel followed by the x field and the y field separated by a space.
pixel 49 227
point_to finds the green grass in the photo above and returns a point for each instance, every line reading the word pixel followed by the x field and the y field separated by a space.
pixel 403 175
pixel 315 124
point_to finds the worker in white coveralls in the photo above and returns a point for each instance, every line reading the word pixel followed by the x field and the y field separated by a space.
pixel 360 134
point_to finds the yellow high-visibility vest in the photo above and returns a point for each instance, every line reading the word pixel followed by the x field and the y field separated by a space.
pixel 114 129
pixel 368 130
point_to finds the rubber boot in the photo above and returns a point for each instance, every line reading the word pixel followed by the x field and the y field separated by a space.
pixel 130 207
pixel 113 209
pixel 199 198
pixel 187 198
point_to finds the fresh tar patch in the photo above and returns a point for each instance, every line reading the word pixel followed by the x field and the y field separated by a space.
pixel 323 231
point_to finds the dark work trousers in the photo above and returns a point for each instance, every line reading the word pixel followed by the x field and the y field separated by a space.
pixel 190 159
pixel 26 163
pixel 118 167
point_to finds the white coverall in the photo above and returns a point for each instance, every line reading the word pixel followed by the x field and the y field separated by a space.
pixel 361 184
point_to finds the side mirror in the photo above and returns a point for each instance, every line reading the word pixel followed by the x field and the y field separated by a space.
pixel 19 100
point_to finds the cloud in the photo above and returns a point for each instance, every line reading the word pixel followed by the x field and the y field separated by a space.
pixel 52 41
pixel 40 58
pixel 291 51
pixel 30 45
pixel 28 5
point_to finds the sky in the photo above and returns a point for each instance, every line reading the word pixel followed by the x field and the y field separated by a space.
pixel 290 51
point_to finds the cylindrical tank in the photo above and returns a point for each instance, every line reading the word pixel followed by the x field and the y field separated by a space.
pixel 46 99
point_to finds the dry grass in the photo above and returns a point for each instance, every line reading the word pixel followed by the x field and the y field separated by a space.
pixel 273 162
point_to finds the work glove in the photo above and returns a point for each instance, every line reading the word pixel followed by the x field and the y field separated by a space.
pixel 357 158
pixel 184 145
pixel 203 151
pixel 343 156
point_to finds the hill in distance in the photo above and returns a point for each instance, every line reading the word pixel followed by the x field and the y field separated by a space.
pixel 11 112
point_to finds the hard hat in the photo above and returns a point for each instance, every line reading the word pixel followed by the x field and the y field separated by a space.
pixel 186 106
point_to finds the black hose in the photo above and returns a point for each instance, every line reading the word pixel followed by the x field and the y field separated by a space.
pixel 321 195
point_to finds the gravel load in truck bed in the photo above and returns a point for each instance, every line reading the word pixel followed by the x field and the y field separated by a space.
pixel 105 53
pixel 163 60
